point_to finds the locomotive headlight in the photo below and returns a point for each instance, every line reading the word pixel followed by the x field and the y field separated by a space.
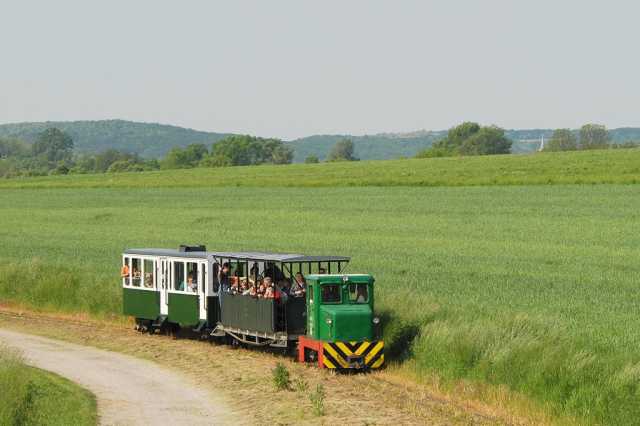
pixel 376 320
pixel 328 321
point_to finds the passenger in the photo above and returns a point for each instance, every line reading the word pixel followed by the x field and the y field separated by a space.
pixel 262 288
pixel 148 279
pixel 124 273
pixel 269 293
pixel 284 286
pixel 281 291
pixel 136 277
pixel 299 287
pixel 247 290
pixel 191 284
pixel 223 276
pixel 362 294
pixel 254 273
pixel 253 292
pixel 234 288
pixel 244 288
pixel 322 271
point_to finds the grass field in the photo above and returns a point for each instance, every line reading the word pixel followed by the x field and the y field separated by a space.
pixel 35 397
pixel 533 287
pixel 538 169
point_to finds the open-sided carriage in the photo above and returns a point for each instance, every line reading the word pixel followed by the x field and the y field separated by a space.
pixel 332 324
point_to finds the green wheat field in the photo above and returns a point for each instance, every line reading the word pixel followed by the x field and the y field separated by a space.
pixel 521 271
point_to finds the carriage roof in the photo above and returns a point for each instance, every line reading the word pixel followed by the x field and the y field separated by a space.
pixel 237 255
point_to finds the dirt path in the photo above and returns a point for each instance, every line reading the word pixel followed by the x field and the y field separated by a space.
pixel 244 378
pixel 129 391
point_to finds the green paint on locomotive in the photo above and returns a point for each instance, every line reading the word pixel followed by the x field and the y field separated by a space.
pixel 184 309
pixel 332 313
pixel 142 304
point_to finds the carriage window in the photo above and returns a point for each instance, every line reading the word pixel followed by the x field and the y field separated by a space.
pixel 126 271
pixel 178 276
pixel 202 281
pixel 358 293
pixel 192 277
pixel 214 276
pixel 136 271
pixel 330 293
pixel 149 268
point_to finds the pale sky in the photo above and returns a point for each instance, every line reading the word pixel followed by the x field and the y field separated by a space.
pixel 295 68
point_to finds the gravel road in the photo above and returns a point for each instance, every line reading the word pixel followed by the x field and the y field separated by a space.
pixel 129 391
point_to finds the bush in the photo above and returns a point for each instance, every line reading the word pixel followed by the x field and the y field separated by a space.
pixel 14 382
pixel 311 159
pixel 317 400
pixel 280 377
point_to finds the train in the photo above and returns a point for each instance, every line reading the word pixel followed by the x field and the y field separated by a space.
pixel 331 324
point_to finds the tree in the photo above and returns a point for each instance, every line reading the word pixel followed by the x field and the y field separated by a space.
pixel 311 159
pixel 244 150
pixel 53 145
pixel 469 139
pixel 486 141
pixel 594 136
pixel 342 151
pixel 179 158
pixel 13 148
pixel 282 154
pixel 125 166
pixel 562 140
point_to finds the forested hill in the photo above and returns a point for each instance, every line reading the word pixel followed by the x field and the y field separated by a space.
pixel 152 140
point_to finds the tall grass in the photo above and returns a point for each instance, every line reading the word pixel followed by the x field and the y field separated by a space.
pixel 29 396
pixel 531 287
pixel 610 166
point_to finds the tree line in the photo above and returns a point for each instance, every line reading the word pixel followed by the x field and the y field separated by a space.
pixel 589 136
pixel 52 154
pixel 471 138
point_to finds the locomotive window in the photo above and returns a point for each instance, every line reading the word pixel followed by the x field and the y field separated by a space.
pixel 330 293
pixel 148 273
pixel 136 271
pixel 192 277
pixel 358 293
pixel 178 276
pixel 310 294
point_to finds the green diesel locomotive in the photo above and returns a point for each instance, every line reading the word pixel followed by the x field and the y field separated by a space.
pixel 331 323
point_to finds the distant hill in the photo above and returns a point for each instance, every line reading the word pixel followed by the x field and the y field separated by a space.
pixel 152 140
pixel 369 147
pixel 147 139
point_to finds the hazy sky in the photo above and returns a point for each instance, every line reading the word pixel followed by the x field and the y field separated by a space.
pixel 294 68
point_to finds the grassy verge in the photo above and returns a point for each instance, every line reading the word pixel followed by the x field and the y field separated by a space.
pixel 35 397
pixel 528 287
pixel 592 167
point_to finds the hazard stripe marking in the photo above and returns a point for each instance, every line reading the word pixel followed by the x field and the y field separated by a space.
pixel 344 349
pixel 373 352
pixel 334 354
pixel 379 362
pixel 362 348
pixel 328 363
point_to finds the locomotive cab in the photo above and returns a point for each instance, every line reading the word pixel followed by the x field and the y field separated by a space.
pixel 342 330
